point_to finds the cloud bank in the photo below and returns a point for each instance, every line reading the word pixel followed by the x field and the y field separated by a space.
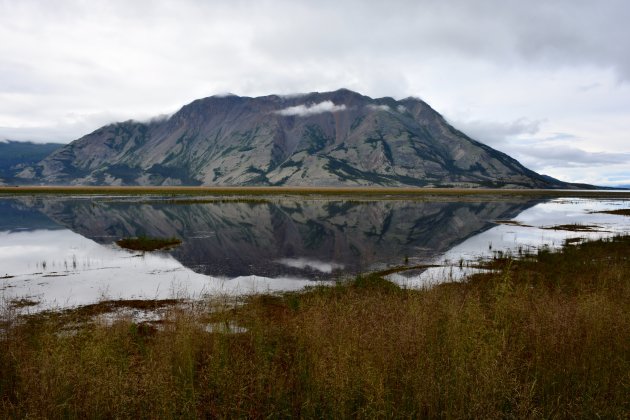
pixel 564 62
pixel 307 110
pixel 495 133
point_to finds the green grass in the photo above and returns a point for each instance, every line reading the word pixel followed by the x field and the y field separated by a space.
pixel 544 336
pixel 145 243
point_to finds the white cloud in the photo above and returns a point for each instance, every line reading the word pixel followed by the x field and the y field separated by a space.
pixel 568 157
pixel 306 110
pixel 611 175
pixel 157 119
pixel 379 107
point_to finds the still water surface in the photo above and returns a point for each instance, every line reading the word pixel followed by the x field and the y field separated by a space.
pixel 61 251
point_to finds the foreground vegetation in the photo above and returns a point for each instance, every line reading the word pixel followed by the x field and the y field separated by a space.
pixel 546 336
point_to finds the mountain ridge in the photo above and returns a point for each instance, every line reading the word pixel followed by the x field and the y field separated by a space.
pixel 338 138
pixel 17 155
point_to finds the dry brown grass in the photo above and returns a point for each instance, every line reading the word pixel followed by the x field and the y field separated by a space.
pixel 303 190
pixel 144 243
pixel 619 212
pixel 548 336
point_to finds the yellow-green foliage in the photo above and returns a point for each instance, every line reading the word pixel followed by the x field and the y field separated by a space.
pixel 548 336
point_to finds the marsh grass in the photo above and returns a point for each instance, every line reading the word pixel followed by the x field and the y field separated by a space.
pixel 302 190
pixel 575 227
pixel 511 223
pixel 22 303
pixel 145 243
pixel 619 212
pixel 544 336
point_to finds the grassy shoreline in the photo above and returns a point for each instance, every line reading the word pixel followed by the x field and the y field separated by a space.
pixel 545 336
pixel 365 191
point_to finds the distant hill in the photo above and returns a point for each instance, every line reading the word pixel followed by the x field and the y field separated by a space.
pixel 336 138
pixel 16 155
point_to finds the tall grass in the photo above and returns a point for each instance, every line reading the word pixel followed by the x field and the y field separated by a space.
pixel 548 336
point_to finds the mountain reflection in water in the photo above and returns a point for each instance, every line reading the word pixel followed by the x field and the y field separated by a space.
pixel 306 238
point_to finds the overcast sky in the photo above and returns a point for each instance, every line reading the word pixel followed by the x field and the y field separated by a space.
pixel 547 82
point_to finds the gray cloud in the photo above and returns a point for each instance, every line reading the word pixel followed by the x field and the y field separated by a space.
pixel 574 164
pixel 560 137
pixel 496 133
pixel 69 66
pixel 569 157
pixel 557 34
pixel 550 152
pixel 521 138
pixel 69 126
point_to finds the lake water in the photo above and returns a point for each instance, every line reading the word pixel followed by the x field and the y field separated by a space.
pixel 61 251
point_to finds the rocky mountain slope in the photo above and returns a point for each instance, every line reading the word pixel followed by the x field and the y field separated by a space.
pixel 336 138
pixel 16 155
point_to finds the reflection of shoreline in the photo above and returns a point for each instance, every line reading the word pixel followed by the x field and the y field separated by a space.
pixel 527 234
pixel 17 215
pixel 232 239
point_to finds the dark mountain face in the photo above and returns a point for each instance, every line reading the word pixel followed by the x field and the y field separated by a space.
pixel 17 155
pixel 234 238
pixel 336 138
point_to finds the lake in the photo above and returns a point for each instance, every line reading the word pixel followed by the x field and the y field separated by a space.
pixel 60 251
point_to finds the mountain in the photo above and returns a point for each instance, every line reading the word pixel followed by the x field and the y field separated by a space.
pixel 336 138
pixel 16 155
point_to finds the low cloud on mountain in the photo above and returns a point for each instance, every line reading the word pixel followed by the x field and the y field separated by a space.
pixel 306 110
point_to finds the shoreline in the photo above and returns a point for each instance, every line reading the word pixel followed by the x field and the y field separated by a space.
pixel 358 191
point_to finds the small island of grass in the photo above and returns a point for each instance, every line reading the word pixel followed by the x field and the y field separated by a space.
pixel 620 212
pixel 575 227
pixel 145 243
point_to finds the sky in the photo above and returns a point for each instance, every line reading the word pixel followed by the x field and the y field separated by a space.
pixel 547 82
